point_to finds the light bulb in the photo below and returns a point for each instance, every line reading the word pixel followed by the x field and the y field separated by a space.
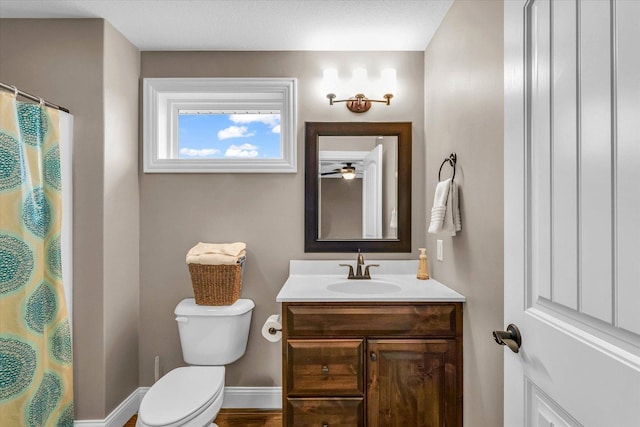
pixel 348 172
pixel 389 81
pixel 349 175
pixel 330 81
pixel 360 81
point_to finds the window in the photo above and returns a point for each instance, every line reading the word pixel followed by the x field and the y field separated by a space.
pixel 219 125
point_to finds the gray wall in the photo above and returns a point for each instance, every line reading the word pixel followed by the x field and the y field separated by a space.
pixel 264 210
pixel 464 114
pixel 65 61
pixel 88 67
pixel 121 286
pixel 341 208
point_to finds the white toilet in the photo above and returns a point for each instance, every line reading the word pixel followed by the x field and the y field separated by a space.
pixel 211 337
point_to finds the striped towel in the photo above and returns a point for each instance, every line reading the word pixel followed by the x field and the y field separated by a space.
pixel 439 209
pixel 445 213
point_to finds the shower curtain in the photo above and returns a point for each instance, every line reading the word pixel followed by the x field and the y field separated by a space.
pixel 36 384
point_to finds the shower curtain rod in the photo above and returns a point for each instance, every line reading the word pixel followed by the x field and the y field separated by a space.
pixel 31 97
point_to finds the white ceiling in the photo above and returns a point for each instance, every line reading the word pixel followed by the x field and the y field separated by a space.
pixel 254 24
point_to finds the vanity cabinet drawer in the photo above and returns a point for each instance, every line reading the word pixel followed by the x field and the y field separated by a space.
pixel 329 367
pixel 424 320
pixel 344 412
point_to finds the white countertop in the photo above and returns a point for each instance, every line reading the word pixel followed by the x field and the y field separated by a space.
pixel 311 281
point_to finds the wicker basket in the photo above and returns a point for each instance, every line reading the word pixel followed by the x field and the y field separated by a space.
pixel 216 284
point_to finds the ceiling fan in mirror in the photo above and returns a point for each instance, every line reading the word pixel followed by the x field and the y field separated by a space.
pixel 348 171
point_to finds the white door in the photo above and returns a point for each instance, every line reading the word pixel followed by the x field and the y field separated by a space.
pixel 572 212
pixel 372 194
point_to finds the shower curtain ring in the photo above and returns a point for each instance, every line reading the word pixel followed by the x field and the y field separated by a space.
pixel 41 103
pixel 15 91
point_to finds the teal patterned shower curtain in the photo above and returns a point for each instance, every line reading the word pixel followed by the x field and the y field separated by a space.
pixel 36 373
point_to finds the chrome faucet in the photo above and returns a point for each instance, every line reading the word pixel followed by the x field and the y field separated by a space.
pixel 359 264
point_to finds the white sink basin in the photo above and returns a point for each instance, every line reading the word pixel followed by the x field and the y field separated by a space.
pixel 366 286
pixel 393 281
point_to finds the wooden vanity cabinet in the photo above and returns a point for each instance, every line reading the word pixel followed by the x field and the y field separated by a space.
pixel 372 364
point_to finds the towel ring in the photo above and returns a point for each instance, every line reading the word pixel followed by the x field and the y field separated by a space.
pixel 452 159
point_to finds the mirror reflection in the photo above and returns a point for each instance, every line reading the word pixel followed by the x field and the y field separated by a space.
pixel 357 187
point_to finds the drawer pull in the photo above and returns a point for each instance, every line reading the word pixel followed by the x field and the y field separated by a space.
pixel 325 370
pixel 325 424
pixel 374 356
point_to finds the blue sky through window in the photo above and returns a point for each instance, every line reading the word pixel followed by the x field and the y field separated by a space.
pixel 235 136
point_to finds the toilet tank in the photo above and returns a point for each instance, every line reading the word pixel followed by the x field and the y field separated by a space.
pixel 213 335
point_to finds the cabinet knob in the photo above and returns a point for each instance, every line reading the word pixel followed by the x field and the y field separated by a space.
pixel 373 356
pixel 325 424
pixel 325 370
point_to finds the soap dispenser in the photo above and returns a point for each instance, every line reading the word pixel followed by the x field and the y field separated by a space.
pixel 423 267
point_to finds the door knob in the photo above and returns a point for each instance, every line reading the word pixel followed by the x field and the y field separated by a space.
pixel 511 338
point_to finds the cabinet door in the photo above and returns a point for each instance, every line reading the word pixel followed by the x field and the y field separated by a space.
pixel 412 383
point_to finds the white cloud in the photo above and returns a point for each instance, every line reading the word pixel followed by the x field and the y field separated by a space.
pixel 204 152
pixel 244 150
pixel 234 132
pixel 276 129
pixel 271 120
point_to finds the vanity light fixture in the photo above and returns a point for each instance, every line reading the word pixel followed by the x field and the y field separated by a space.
pixel 359 103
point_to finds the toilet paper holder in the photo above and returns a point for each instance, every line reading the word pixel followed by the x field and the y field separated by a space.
pixel 272 328
pixel 274 331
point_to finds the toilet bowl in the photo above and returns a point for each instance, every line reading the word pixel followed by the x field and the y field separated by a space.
pixel 211 337
pixel 188 396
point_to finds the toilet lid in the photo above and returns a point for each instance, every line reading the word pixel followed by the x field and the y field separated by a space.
pixel 181 394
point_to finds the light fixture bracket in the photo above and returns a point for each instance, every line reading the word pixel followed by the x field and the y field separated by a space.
pixel 359 103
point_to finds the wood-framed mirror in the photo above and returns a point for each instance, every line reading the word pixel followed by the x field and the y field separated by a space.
pixel 358 186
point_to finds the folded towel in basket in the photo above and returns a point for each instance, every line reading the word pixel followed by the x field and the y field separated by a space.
pixel 216 253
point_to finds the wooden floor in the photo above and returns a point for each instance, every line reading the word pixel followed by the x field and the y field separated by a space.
pixel 240 418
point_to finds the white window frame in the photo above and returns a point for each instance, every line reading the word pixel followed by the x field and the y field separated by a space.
pixel 163 98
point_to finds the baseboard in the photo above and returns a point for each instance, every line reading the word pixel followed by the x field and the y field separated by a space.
pixel 253 397
pixel 234 397
pixel 119 416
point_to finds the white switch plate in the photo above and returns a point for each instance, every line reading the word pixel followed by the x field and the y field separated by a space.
pixel 439 256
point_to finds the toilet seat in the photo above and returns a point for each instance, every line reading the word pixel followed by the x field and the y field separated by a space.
pixel 181 395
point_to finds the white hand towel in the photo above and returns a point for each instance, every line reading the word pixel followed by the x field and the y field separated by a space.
pixel 448 227
pixel 452 222
pixel 457 221
pixel 439 208
pixel 445 214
